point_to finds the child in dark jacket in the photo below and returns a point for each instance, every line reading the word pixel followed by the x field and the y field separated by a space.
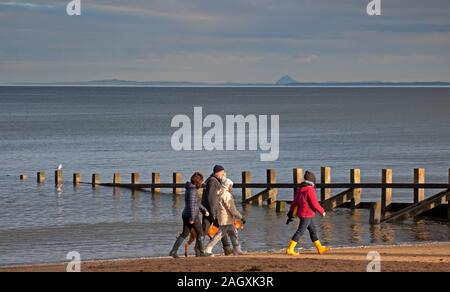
pixel 305 206
pixel 191 216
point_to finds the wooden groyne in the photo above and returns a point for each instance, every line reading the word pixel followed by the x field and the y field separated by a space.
pixel 383 210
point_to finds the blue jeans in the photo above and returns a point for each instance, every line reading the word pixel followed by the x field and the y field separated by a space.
pixel 306 224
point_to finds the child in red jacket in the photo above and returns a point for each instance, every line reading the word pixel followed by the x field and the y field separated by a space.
pixel 305 206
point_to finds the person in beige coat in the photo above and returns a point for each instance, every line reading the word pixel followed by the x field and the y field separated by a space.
pixel 227 213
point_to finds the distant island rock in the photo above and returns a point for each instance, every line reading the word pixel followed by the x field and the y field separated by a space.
pixel 286 80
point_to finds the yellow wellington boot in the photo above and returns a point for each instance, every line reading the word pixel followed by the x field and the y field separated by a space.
pixel 321 249
pixel 291 249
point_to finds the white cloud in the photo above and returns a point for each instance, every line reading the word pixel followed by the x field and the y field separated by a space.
pixel 26 5
pixel 171 14
pixel 232 40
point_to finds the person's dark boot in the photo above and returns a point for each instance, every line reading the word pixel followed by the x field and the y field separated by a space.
pixel 200 250
pixel 197 251
pixel 174 252
pixel 227 250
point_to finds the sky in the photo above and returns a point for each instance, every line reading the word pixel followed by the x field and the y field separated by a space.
pixel 249 41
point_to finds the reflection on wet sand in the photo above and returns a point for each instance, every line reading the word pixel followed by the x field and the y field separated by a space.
pixel 327 228
pixel 178 204
pixel 271 236
pixel 420 231
pixel 356 227
pixel 117 194
pixel 135 203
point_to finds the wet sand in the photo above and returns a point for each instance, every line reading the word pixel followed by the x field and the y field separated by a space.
pixel 416 258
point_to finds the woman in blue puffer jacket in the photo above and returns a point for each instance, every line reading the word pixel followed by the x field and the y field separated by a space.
pixel 191 216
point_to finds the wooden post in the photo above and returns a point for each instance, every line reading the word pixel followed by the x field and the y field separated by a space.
pixel 95 180
pixel 355 178
pixel 58 177
pixel 23 177
pixel 375 213
pixel 177 179
pixel 76 178
pixel 258 201
pixel 246 179
pixel 386 193
pixel 325 178
pixel 273 193
pixel 297 177
pixel 41 177
pixel 281 206
pixel 135 178
pixel 271 177
pixel 156 179
pixel 419 178
pixel 448 210
pixel 448 202
pixel 117 178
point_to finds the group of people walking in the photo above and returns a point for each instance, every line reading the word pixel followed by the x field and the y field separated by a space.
pixel 216 211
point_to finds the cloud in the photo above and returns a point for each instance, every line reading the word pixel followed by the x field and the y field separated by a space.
pixel 19 4
pixel 24 5
pixel 216 40
pixel 158 11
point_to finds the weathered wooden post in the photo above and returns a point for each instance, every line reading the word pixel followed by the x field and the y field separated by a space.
pixel 177 179
pixel 281 206
pixel 95 180
pixel 156 179
pixel 58 177
pixel 257 200
pixel 297 177
pixel 117 178
pixel 386 193
pixel 40 177
pixel 135 178
pixel 325 178
pixel 375 213
pixel 76 178
pixel 246 179
pixel 273 193
pixel 419 178
pixel 448 202
pixel 23 177
pixel 355 178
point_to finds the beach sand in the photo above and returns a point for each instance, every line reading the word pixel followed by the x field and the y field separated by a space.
pixel 413 258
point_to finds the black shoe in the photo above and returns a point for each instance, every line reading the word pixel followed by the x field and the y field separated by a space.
pixel 228 250
pixel 174 252
pixel 199 248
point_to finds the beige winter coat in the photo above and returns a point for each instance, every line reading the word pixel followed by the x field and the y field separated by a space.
pixel 226 209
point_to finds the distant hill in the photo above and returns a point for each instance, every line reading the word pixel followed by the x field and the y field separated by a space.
pixel 117 82
pixel 286 80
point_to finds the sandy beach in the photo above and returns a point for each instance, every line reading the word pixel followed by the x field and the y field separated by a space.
pixel 413 258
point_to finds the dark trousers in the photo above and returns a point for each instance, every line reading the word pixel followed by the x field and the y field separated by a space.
pixel 207 221
pixel 306 224
pixel 187 227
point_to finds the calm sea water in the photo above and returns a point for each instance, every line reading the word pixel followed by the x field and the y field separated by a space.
pixel 128 130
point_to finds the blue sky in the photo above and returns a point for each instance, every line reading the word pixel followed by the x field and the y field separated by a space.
pixel 224 40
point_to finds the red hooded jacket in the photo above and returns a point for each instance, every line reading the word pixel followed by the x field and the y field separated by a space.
pixel 306 203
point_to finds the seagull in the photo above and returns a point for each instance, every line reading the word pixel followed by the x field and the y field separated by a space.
pixel 59 167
